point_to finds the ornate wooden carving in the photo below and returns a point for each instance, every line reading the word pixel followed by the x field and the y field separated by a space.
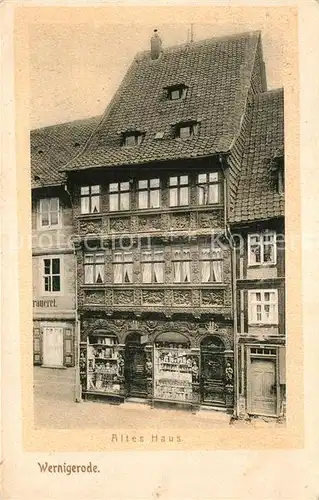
pixel 210 219
pixel 149 222
pixel 90 226
pixel 180 221
pixel 123 297
pixel 120 224
pixel 213 297
pixel 182 297
pixel 153 296
pixel 94 297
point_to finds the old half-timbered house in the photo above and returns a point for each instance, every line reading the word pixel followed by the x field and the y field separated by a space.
pixel 151 193
pixel 53 261
pixel 257 223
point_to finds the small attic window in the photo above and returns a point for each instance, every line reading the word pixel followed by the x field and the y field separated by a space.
pixel 176 92
pixel 186 130
pixel 132 139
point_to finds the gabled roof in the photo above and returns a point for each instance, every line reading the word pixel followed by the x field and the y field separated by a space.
pixel 53 146
pixel 217 73
pixel 257 196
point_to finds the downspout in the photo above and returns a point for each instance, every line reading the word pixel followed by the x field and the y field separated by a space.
pixel 78 395
pixel 77 387
pixel 234 289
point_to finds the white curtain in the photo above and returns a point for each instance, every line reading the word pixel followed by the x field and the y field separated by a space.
pixel 128 272
pixel 183 193
pixel 173 197
pixel 88 273
pixel 154 199
pixel 95 204
pixel 159 272
pixel 177 271
pixel 142 199
pixel 205 266
pixel 113 202
pixel 213 193
pixel 124 201
pixel 99 273
pixel 217 270
pixel 85 207
pixel 128 267
pixel 147 272
pixel 117 266
pixel 187 272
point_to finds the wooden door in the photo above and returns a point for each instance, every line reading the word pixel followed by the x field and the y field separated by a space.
pixel 212 379
pixel 135 369
pixel 262 387
pixel 53 346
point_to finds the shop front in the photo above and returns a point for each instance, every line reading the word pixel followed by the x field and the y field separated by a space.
pixel 159 362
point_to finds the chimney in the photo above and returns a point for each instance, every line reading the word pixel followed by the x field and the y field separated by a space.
pixel 156 45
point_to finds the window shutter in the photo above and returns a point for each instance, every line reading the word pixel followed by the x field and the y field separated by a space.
pixel 68 347
pixel 37 347
pixel 246 305
pixel 282 365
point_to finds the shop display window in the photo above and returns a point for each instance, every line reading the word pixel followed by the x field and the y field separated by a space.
pixel 173 371
pixel 104 364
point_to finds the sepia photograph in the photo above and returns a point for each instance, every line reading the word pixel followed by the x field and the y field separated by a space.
pixel 158 226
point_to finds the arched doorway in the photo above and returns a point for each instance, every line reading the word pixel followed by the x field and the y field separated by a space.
pixel 212 378
pixel 135 367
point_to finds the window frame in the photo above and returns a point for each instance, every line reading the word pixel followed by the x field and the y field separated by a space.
pixel 122 263
pixel 181 89
pixel 207 184
pixel 262 244
pixel 178 187
pixel 58 211
pixel 193 130
pixel 252 317
pixel 149 189
pixel 182 249
pixel 152 261
pixel 44 275
pixel 90 195
pixel 119 193
pixel 138 139
pixel 211 259
pixel 94 264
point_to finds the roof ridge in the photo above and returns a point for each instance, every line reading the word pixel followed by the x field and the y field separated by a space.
pixel 202 41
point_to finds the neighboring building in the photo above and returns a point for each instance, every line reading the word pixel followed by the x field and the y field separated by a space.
pixel 152 193
pixel 53 261
pixel 258 218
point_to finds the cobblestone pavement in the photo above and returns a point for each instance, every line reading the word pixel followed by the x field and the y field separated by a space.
pixel 55 407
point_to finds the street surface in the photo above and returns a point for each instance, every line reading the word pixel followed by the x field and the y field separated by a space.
pixel 55 408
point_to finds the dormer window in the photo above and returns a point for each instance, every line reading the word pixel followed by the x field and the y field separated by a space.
pixel 176 92
pixel 132 139
pixel 186 130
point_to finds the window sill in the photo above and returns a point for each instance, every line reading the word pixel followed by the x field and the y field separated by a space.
pixel 262 266
pixel 268 325
pixel 150 211
pixel 156 285
pixel 49 228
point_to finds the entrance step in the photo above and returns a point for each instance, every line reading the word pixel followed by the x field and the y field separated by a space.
pixel 141 401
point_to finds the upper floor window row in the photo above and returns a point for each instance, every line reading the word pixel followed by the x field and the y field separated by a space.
pixel 152 266
pixel 149 193
pixel 262 248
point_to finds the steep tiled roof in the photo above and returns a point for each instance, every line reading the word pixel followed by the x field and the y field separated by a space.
pixel 217 72
pixel 257 196
pixel 53 146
